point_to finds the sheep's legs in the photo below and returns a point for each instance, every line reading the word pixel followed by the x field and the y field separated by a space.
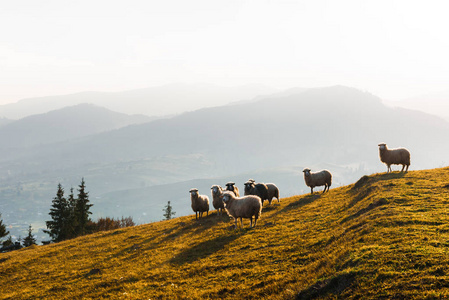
pixel 241 222
pixel 255 221
pixel 406 170
pixel 311 190
pixel 251 222
pixel 196 215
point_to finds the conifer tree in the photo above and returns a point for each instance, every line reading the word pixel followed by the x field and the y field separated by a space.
pixel 3 231
pixel 57 227
pixel 82 209
pixel 168 211
pixel 72 222
pixel 29 239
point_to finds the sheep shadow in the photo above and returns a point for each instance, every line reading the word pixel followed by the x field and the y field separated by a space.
pixel 302 201
pixel 205 249
pixel 195 226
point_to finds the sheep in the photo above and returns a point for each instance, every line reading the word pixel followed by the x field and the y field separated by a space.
pixel 230 186
pixel 242 207
pixel 312 180
pixel 248 186
pixel 217 198
pixel 200 203
pixel 273 192
pixel 258 189
pixel 397 156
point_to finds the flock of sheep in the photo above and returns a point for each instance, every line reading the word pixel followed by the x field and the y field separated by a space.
pixel 250 205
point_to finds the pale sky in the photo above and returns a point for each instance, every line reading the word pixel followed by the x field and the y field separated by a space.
pixel 393 49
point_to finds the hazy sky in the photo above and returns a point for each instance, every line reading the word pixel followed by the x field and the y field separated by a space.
pixel 394 49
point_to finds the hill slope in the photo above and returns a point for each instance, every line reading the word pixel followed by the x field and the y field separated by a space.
pixel 384 236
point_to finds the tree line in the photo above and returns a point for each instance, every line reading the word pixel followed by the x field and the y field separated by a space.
pixel 70 218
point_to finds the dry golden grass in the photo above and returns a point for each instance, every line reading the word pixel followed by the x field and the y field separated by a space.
pixel 387 236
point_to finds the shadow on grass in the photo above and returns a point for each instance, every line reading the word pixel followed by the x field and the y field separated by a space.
pixel 334 285
pixel 204 249
pixel 374 204
pixel 192 226
pixel 364 180
pixel 300 203
pixel 363 188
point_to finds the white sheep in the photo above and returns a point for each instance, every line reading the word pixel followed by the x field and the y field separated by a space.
pixel 320 178
pixel 243 207
pixel 217 198
pixel 230 186
pixel 397 156
pixel 200 203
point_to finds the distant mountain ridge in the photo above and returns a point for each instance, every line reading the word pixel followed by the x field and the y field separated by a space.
pixel 435 103
pixel 64 124
pixel 159 101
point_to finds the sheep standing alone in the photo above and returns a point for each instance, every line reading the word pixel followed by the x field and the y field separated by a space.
pixel 398 156
pixel 243 207
pixel 230 186
pixel 320 178
pixel 200 203
pixel 217 198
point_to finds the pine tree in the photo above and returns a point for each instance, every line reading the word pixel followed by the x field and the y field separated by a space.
pixel 3 231
pixel 57 227
pixel 72 222
pixel 82 209
pixel 168 211
pixel 30 239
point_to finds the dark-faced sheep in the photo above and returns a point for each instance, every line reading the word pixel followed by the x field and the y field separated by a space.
pixel 200 203
pixel 258 189
pixel 230 186
pixel 397 156
pixel 243 207
pixel 320 178
pixel 217 198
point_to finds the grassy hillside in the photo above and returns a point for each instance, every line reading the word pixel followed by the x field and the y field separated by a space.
pixel 386 236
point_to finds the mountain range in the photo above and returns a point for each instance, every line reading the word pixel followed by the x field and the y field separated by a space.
pixel 158 101
pixel 65 124
pixel 270 139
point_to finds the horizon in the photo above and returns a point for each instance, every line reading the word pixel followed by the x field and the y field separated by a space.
pixel 392 50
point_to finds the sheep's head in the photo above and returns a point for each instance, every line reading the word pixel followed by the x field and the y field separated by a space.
pixel 194 192
pixel 215 189
pixel 230 186
pixel 227 196
pixel 306 172
pixel 249 184
pixel 382 146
